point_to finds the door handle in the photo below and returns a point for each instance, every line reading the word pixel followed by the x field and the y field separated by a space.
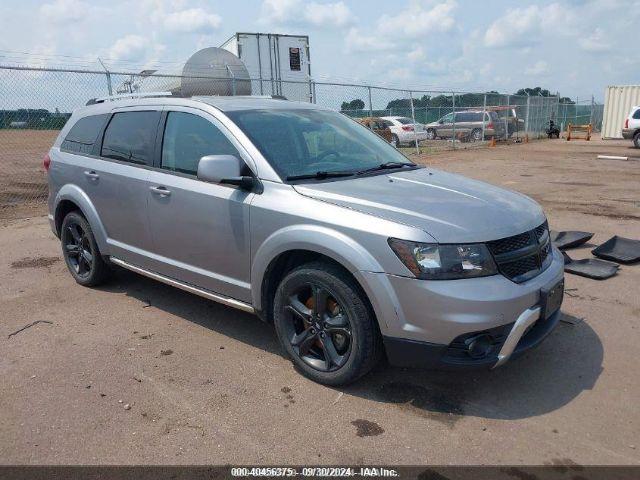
pixel 162 191
pixel 91 174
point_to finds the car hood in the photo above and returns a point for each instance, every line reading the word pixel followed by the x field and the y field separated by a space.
pixel 451 208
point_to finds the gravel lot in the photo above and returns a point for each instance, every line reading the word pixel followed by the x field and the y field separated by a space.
pixel 138 372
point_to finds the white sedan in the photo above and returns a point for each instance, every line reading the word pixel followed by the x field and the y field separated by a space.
pixel 404 130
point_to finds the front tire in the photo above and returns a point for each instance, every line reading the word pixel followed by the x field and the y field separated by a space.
pixel 80 251
pixel 325 324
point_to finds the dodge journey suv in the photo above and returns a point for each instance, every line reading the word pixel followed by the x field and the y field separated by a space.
pixel 308 219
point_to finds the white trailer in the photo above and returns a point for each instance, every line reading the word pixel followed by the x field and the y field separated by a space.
pixel 277 64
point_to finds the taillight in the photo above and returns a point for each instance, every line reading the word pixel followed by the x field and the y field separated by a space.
pixel 490 125
pixel 46 162
pixel 407 128
pixel 626 123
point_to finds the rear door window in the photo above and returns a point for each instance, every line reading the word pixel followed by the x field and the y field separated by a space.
pixel 84 134
pixel 188 138
pixel 448 118
pixel 131 136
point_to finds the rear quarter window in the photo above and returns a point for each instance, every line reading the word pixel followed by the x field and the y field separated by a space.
pixel 404 120
pixel 131 136
pixel 636 114
pixel 84 134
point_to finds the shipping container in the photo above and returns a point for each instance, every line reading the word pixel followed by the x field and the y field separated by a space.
pixel 278 64
pixel 618 101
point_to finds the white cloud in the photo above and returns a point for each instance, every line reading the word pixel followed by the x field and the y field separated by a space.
pixel 129 47
pixel 279 11
pixel 295 12
pixel 539 68
pixel 61 11
pixel 596 42
pixel 356 41
pixel 337 14
pixel 419 19
pixel 192 20
pixel 525 26
pixel 416 54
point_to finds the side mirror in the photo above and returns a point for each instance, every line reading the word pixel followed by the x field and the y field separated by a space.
pixel 215 168
pixel 225 169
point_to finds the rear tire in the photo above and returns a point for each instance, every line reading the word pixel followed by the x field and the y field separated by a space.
pixel 636 139
pixel 80 251
pixel 395 141
pixel 431 134
pixel 325 324
pixel 476 135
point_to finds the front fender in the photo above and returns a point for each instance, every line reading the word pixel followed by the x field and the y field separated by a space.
pixel 333 244
pixel 76 195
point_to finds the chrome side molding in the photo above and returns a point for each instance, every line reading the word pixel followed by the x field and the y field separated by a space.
pixel 231 302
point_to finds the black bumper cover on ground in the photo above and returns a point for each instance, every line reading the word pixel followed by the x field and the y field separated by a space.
pixel 412 353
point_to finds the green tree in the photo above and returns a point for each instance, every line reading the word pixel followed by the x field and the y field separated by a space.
pixel 355 104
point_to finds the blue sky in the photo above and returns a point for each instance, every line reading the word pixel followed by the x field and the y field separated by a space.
pixel 574 46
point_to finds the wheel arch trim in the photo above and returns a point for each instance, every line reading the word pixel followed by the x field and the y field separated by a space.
pixel 313 238
pixel 75 194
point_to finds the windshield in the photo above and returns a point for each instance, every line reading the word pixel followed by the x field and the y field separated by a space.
pixel 305 142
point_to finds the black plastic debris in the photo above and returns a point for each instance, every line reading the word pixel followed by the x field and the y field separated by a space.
pixel 590 267
pixel 569 239
pixel 619 249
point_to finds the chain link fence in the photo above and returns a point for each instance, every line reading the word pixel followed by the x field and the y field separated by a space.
pixel 35 103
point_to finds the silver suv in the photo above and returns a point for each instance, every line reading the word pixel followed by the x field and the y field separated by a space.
pixel 310 220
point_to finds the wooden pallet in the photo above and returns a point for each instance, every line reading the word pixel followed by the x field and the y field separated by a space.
pixel 573 129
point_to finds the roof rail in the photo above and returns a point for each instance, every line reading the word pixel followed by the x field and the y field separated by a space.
pixel 129 95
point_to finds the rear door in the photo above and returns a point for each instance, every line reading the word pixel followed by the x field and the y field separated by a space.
pixel 200 230
pixel 445 126
pixel 120 176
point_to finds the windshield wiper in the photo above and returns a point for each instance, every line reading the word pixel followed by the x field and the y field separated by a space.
pixel 386 166
pixel 321 175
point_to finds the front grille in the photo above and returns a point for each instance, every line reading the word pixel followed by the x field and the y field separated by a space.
pixel 523 256
pixel 509 244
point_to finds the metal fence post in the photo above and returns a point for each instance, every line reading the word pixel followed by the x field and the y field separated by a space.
pixel 108 74
pixel 453 103
pixel 370 103
pixel 506 119
pixel 313 91
pixel 484 112
pixel 413 118
pixel 526 117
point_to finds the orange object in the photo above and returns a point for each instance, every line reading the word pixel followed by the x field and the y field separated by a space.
pixel 492 143
pixel 572 129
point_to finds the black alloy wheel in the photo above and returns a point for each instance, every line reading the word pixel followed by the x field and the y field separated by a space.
pixel 319 329
pixel 325 323
pixel 80 251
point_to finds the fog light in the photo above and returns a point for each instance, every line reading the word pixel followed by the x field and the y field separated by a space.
pixel 480 346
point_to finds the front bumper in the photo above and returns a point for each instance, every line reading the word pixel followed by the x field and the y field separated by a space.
pixel 431 320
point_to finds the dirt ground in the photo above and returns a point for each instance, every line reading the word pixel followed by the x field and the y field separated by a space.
pixel 138 372
pixel 22 177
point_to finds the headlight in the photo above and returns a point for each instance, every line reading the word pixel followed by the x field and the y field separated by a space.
pixel 431 261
